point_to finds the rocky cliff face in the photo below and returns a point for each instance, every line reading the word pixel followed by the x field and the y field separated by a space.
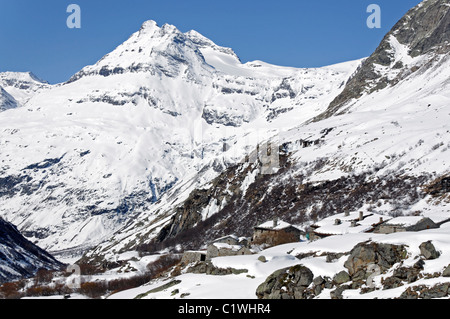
pixel 6 101
pixel 19 257
pixel 411 46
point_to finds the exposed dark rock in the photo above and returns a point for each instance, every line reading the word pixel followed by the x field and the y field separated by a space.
pixel 409 293
pixel 437 291
pixel 45 164
pixel 428 251
pixel 425 292
pixel 369 254
pixel 212 116
pixel 341 277
pixel 331 257
pixel 337 293
pixel 287 283
pixel 446 272
pixel 262 259
pixel 206 267
pixel 19 257
pixel 7 101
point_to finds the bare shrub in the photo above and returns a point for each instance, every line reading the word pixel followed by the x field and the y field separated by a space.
pixel 10 290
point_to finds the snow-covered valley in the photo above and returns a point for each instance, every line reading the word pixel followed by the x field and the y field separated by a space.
pixel 170 142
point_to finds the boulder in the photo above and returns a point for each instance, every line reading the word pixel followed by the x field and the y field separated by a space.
pixel 428 251
pixel 341 277
pixel 318 281
pixel 437 291
pixel 337 293
pixel 446 272
pixel 262 259
pixel 409 293
pixel 286 283
pixel 366 254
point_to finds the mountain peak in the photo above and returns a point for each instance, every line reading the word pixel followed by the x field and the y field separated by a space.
pixel 21 76
pixel 415 40
pixel 149 24
pixel 164 50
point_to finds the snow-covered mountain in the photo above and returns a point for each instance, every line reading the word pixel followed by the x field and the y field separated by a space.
pixel 375 152
pixel 380 148
pixel 22 85
pixel 162 145
pixel 19 258
pixel 153 115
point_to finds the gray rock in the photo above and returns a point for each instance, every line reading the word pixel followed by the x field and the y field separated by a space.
pixel 428 251
pixel 409 294
pixel 446 272
pixel 365 254
pixel 318 281
pixel 341 277
pixel 438 291
pixel 318 290
pixel 419 264
pixel 337 293
pixel 262 259
pixel 286 283
pixel 209 269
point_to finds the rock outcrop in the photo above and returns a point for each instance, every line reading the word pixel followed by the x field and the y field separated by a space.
pixel 428 251
pixel 286 283
pixel 20 258
pixel 363 255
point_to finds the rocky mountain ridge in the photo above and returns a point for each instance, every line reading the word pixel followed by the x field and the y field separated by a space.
pixel 19 258
pixel 411 46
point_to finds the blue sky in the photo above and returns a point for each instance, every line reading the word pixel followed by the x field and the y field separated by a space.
pixel 34 36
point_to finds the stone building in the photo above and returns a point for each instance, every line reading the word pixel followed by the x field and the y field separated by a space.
pixel 221 249
pixel 232 240
pixel 272 232
pixel 230 245
pixel 193 257
pixel 346 223
pixel 406 223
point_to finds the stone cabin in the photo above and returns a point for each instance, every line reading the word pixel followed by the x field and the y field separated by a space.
pixel 406 223
pixel 193 256
pixel 232 240
pixel 345 223
pixel 269 232
pixel 230 245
